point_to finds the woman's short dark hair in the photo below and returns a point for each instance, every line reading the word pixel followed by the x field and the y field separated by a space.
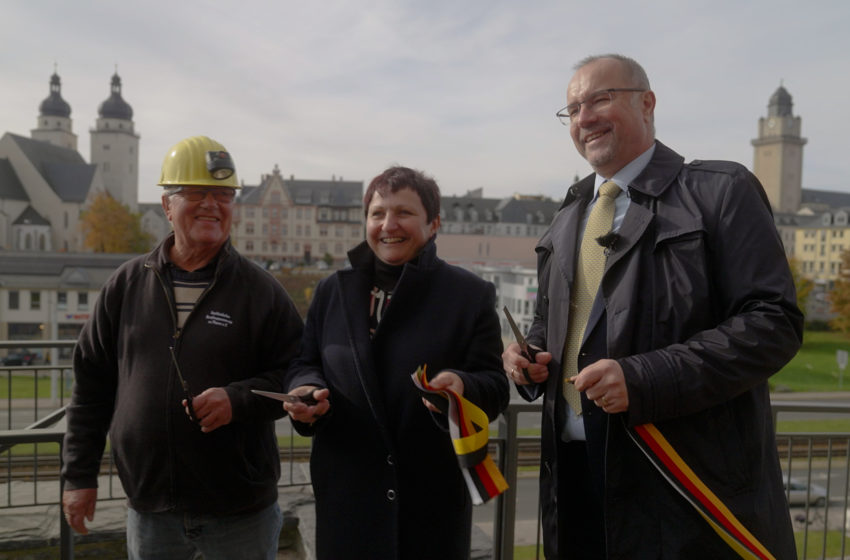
pixel 396 178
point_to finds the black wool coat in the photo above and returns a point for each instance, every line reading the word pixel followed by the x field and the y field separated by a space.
pixel 385 474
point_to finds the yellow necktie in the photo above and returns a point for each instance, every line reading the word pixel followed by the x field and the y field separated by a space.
pixel 591 264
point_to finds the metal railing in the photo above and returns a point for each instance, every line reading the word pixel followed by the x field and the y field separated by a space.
pixel 818 461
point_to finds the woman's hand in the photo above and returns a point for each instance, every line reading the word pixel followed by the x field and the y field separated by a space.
pixel 445 380
pixel 302 412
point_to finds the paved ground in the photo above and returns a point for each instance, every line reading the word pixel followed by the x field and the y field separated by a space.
pixel 40 524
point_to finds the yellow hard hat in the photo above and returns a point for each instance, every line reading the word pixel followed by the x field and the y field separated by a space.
pixel 198 161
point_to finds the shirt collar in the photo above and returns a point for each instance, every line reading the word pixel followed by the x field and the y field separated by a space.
pixel 628 173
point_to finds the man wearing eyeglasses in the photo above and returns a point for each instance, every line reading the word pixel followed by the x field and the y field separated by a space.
pixel 166 364
pixel 660 316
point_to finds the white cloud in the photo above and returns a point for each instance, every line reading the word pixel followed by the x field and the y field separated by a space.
pixel 463 90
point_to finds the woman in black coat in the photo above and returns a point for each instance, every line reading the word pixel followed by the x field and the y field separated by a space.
pixel 385 474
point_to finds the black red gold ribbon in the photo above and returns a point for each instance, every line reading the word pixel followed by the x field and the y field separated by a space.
pixel 677 472
pixel 468 426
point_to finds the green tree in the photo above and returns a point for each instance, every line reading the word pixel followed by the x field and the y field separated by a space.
pixel 110 227
pixel 839 297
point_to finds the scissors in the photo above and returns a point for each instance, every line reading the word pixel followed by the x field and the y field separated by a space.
pixel 306 399
pixel 527 351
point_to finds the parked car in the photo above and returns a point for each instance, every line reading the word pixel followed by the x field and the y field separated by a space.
pixel 799 494
pixel 21 357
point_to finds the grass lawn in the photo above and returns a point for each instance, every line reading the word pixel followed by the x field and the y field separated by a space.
pixel 815 368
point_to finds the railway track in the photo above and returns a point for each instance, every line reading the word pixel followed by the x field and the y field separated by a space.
pixel 47 467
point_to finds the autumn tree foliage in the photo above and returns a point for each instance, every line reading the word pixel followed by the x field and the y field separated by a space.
pixel 110 227
pixel 803 285
pixel 839 297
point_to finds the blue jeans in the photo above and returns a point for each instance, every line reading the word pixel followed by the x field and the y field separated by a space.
pixel 169 535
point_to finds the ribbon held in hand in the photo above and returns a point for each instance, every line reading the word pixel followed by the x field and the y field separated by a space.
pixel 468 426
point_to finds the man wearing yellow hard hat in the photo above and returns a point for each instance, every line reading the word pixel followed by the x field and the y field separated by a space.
pixel 166 364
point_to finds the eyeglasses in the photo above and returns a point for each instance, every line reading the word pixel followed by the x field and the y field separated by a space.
pixel 596 101
pixel 224 195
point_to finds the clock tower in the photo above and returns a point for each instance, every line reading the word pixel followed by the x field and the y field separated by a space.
pixel 778 154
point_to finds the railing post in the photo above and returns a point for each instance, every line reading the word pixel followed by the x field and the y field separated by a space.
pixel 66 535
pixel 504 534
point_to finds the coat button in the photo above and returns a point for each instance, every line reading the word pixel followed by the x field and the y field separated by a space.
pixel 390 460
pixel 391 494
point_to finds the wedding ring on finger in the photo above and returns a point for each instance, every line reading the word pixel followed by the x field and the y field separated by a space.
pixel 604 402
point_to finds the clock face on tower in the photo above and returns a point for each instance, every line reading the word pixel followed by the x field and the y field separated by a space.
pixel 771 123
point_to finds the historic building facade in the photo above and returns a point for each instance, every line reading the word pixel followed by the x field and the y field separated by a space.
pixel 284 222
pixel 45 183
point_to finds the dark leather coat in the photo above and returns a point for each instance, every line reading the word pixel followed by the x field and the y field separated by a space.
pixel 385 474
pixel 698 306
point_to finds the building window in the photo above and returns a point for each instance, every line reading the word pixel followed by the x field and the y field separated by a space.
pixel 35 301
pixel 62 300
pixel 82 301
pixel 14 299
pixel 249 228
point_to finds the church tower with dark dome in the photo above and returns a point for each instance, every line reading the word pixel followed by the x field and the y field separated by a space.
pixel 54 118
pixel 115 147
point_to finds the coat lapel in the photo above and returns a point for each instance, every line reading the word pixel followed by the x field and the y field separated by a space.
pixel 563 235
pixel 354 287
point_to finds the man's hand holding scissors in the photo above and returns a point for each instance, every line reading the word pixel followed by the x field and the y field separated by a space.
pixel 523 363
pixel 517 365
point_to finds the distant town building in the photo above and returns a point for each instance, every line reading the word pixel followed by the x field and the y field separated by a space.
pixel 516 289
pixel 477 231
pixel 48 295
pixel 812 223
pixel 778 153
pixel 291 221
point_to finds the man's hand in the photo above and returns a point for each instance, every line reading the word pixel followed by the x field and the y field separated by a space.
pixel 78 506
pixel 302 412
pixel 514 362
pixel 212 409
pixel 604 383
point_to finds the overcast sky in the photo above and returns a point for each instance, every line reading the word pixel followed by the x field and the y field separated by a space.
pixel 465 90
